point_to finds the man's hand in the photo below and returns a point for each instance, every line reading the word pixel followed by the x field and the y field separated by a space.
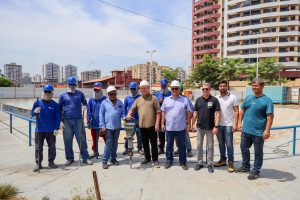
pixel 215 131
pixel 156 127
pixel 188 128
pixel 163 127
pixel 127 119
pixel 266 134
pixel 234 129
pixel 194 129
pixel 61 126
pixel 89 125
pixel 55 133
pixel 37 110
pixel 240 127
pixel 104 130
pixel 84 108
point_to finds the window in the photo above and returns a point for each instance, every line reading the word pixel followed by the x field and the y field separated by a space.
pixel 292 49
pixel 269 20
pixel 283 19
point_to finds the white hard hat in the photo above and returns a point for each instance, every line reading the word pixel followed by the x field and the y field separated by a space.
pixel 144 83
pixel 175 84
pixel 110 89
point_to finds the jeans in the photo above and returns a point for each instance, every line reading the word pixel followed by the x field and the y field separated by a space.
pixel 149 134
pixel 74 127
pixel 95 139
pixel 139 140
pixel 246 142
pixel 225 139
pixel 181 136
pixel 111 146
pixel 39 143
pixel 210 145
pixel 162 140
pixel 187 142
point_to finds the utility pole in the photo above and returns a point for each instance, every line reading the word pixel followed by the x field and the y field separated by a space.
pixel 151 52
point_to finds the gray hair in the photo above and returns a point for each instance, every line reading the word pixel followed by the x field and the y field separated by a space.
pixel 207 84
pixel 260 81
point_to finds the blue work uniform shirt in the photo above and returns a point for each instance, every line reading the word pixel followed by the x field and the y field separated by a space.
pixel 159 95
pixel 256 110
pixel 175 110
pixel 49 116
pixel 128 102
pixel 93 108
pixel 110 116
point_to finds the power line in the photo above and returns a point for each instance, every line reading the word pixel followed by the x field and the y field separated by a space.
pixel 145 16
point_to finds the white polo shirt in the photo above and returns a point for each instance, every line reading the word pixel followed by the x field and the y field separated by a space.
pixel 227 103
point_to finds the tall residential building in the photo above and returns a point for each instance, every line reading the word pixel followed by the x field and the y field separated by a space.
pixel 90 75
pixel 13 72
pixel 207 29
pixel 26 79
pixel 181 74
pixel 51 73
pixel 263 29
pixel 37 78
pixel 70 70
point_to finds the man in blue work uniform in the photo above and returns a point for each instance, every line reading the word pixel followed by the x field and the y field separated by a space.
pixel 257 113
pixel 111 113
pixel 92 116
pixel 161 95
pixel 47 126
pixel 71 103
pixel 128 102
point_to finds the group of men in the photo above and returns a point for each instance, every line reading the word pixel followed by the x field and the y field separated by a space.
pixel 168 115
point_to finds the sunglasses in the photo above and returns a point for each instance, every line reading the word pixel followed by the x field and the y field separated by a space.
pixel 174 89
pixel 132 89
pixel 112 94
pixel 47 92
pixel 205 89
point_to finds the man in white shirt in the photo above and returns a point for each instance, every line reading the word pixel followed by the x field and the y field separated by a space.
pixel 228 125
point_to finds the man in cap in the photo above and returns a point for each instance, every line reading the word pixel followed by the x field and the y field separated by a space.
pixel 176 120
pixel 72 103
pixel 92 116
pixel 161 95
pixel 148 110
pixel 111 113
pixel 128 102
pixel 47 127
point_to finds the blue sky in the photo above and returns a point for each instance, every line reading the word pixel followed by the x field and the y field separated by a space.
pixel 78 32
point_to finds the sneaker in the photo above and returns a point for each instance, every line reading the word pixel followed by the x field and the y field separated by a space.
pixel 156 164
pixel 176 153
pixel 115 162
pixel 189 154
pixel 168 165
pixel 145 162
pixel 69 162
pixel 161 151
pixel 93 155
pixel 88 162
pixel 242 170
pixel 220 163
pixel 104 165
pixel 141 152
pixel 125 152
pixel 253 175
pixel 198 167
pixel 184 167
pixel 230 168
pixel 210 169
pixel 52 165
pixel 36 168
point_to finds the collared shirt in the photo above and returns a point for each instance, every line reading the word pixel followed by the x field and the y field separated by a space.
pixel 206 112
pixel 190 103
pixel 147 109
pixel 160 95
pixel 110 116
pixel 227 103
pixel 256 110
pixel 93 108
pixel 176 110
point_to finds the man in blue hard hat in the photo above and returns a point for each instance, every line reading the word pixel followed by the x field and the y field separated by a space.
pixel 161 95
pixel 47 126
pixel 128 102
pixel 72 103
pixel 92 116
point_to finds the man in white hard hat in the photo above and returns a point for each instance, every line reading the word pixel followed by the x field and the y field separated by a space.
pixel 149 117
pixel 110 115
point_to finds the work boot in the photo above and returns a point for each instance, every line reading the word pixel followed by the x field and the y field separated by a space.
pixel 115 162
pixel 156 164
pixel 36 167
pixel 161 151
pixel 141 152
pixel 88 162
pixel 230 168
pixel 253 175
pixel 189 153
pixel 210 169
pixel 168 165
pixel 125 152
pixel 104 165
pixel 198 167
pixel 52 165
pixel 220 163
pixel 184 167
pixel 242 170
pixel 144 162
pixel 69 162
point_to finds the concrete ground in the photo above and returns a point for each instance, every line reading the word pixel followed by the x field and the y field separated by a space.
pixel 279 178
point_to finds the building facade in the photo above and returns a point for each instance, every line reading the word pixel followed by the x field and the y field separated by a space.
pixel 51 73
pixel 13 72
pixel 26 79
pixel 69 70
pixel 90 75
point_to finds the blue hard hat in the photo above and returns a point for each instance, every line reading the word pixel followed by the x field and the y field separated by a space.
pixel 133 85
pixel 164 81
pixel 48 87
pixel 97 85
pixel 72 80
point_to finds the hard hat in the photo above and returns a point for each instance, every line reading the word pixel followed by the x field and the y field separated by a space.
pixel 133 85
pixel 48 87
pixel 144 83
pixel 175 84
pixel 72 80
pixel 110 89
pixel 164 81
pixel 97 85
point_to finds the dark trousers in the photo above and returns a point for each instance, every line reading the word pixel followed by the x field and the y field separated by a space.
pixel 149 134
pixel 162 140
pixel 39 143
pixel 180 135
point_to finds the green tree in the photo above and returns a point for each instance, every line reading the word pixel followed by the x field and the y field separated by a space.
pixel 4 82
pixel 171 74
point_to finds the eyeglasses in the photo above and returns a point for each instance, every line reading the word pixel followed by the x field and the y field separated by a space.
pixel 174 89
pixel 112 94
pixel 205 89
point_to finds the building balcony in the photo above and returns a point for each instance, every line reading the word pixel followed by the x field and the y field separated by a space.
pixel 208 8
pixel 206 51
pixel 198 3
pixel 215 15
pixel 206 43
pixel 209 25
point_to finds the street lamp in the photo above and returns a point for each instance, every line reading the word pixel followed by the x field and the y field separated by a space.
pixel 151 52
pixel 257 43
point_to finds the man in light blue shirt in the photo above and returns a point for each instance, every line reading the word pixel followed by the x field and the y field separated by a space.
pixel 176 119
pixel 110 115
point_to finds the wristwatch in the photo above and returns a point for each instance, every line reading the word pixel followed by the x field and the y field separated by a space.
pixel 217 126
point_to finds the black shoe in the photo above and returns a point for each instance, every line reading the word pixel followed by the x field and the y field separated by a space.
pixel 94 155
pixel 36 168
pixel 125 152
pixel 168 165
pixel 161 151
pixel 115 162
pixel 184 167
pixel 242 170
pixel 104 165
pixel 189 153
pixel 253 175
pixel 88 162
pixel 52 165
pixel 210 169
pixel 145 162
pixel 69 162
pixel 198 167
